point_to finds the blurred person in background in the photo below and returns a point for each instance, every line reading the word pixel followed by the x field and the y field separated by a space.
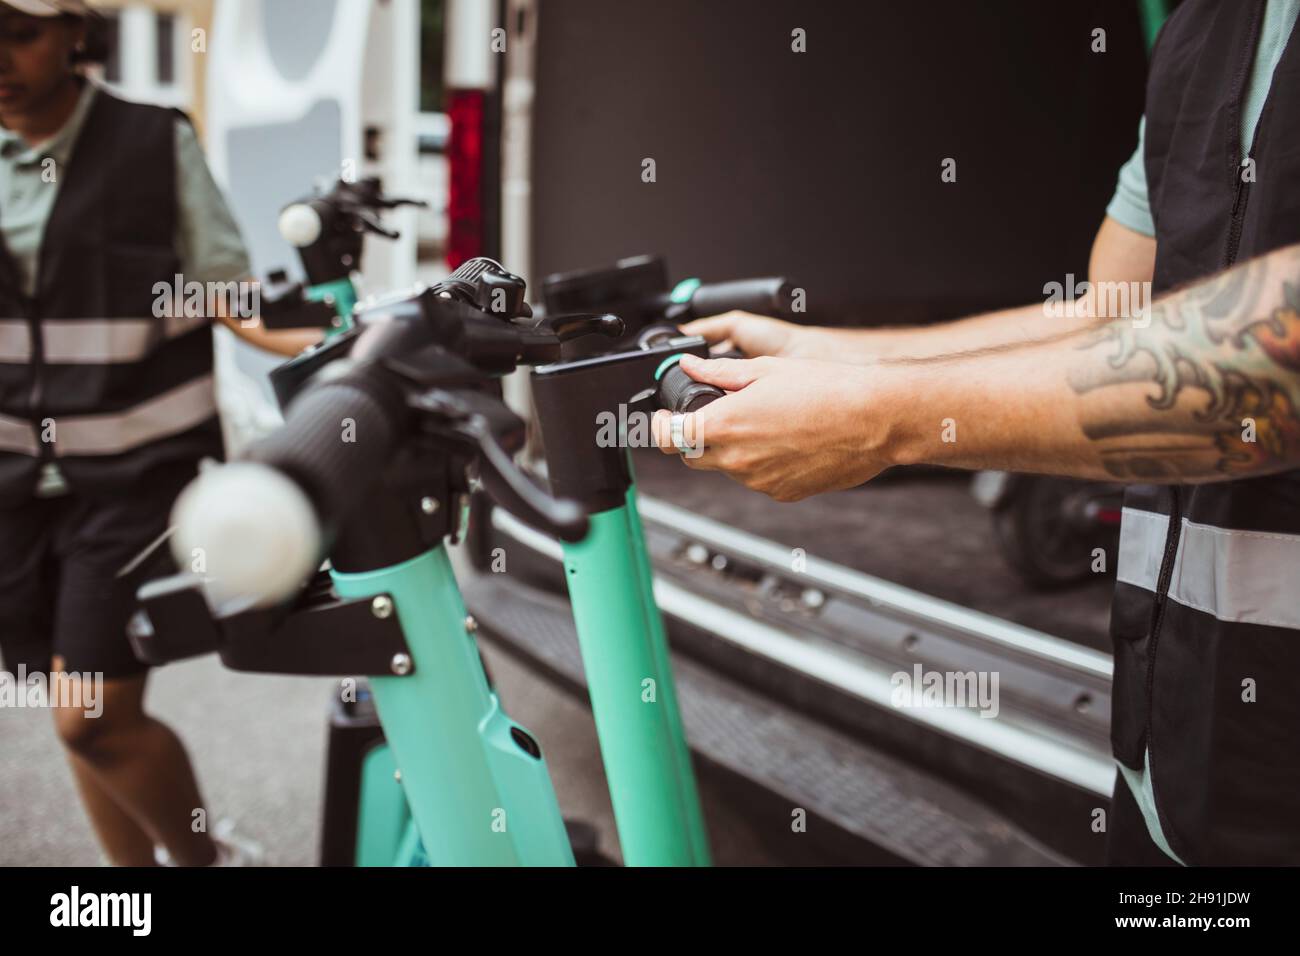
pixel 106 406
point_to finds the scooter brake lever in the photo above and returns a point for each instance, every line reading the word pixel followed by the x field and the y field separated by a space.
pixel 385 203
pixel 484 422
pixel 370 222
pixel 567 327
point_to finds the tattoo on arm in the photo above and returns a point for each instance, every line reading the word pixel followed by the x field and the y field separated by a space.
pixel 1219 367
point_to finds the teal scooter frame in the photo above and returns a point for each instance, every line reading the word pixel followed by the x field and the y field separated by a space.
pixel 633 696
pixel 341 296
pixel 609 575
pixel 501 809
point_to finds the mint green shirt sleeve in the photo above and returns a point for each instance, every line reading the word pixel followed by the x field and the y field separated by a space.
pixel 1130 205
pixel 207 236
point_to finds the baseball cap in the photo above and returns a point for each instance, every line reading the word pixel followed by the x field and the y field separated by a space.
pixel 49 8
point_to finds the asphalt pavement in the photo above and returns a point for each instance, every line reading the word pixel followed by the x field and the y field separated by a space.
pixel 258 745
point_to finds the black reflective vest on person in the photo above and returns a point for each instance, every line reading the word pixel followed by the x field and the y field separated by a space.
pixel 90 376
pixel 1206 615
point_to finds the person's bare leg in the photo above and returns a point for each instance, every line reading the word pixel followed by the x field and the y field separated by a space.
pixel 138 764
pixel 123 840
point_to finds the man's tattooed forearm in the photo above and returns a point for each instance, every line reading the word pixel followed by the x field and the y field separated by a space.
pixel 1219 367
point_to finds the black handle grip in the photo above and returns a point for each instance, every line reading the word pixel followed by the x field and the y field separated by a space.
pixel 678 392
pixel 769 296
pixel 337 439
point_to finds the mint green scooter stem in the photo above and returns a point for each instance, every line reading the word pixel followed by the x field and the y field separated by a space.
pixel 633 698
pixel 340 293
pixel 478 796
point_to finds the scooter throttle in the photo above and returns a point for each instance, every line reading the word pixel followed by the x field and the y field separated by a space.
pixel 679 393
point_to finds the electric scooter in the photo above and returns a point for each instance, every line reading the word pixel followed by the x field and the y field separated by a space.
pixel 328 229
pixel 388 414
pixel 620 630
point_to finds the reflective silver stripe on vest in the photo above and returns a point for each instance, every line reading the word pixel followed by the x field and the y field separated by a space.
pixel 1141 547
pixel 1248 577
pixel 15 341
pixel 17 435
pixel 93 341
pixel 167 414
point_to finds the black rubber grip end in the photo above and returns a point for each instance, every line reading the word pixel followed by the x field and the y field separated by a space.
pixel 678 392
pixel 337 440
pixel 770 296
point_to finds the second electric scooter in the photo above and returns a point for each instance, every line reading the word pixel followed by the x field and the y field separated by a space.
pixel 328 230
pixel 580 403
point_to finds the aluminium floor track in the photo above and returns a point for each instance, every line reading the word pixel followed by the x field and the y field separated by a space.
pixel 860 797
pixel 919 529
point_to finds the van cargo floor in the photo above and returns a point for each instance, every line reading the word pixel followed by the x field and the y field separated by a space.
pixel 923 531
pixel 862 805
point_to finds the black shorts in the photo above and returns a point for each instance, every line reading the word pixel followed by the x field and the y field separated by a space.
pixel 60 593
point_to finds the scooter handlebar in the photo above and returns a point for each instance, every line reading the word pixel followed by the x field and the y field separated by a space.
pixel 770 296
pixel 337 439
pixel 258 528
pixel 678 392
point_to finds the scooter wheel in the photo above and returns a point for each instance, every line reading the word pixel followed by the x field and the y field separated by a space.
pixel 1038 538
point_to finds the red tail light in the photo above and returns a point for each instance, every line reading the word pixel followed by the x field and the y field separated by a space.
pixel 465 176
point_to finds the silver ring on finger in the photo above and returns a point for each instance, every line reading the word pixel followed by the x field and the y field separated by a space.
pixel 677 427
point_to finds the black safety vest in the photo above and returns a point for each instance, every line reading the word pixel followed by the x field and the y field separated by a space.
pixel 90 376
pixel 1206 615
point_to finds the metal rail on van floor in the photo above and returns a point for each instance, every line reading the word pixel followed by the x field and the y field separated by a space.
pixel 837 645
